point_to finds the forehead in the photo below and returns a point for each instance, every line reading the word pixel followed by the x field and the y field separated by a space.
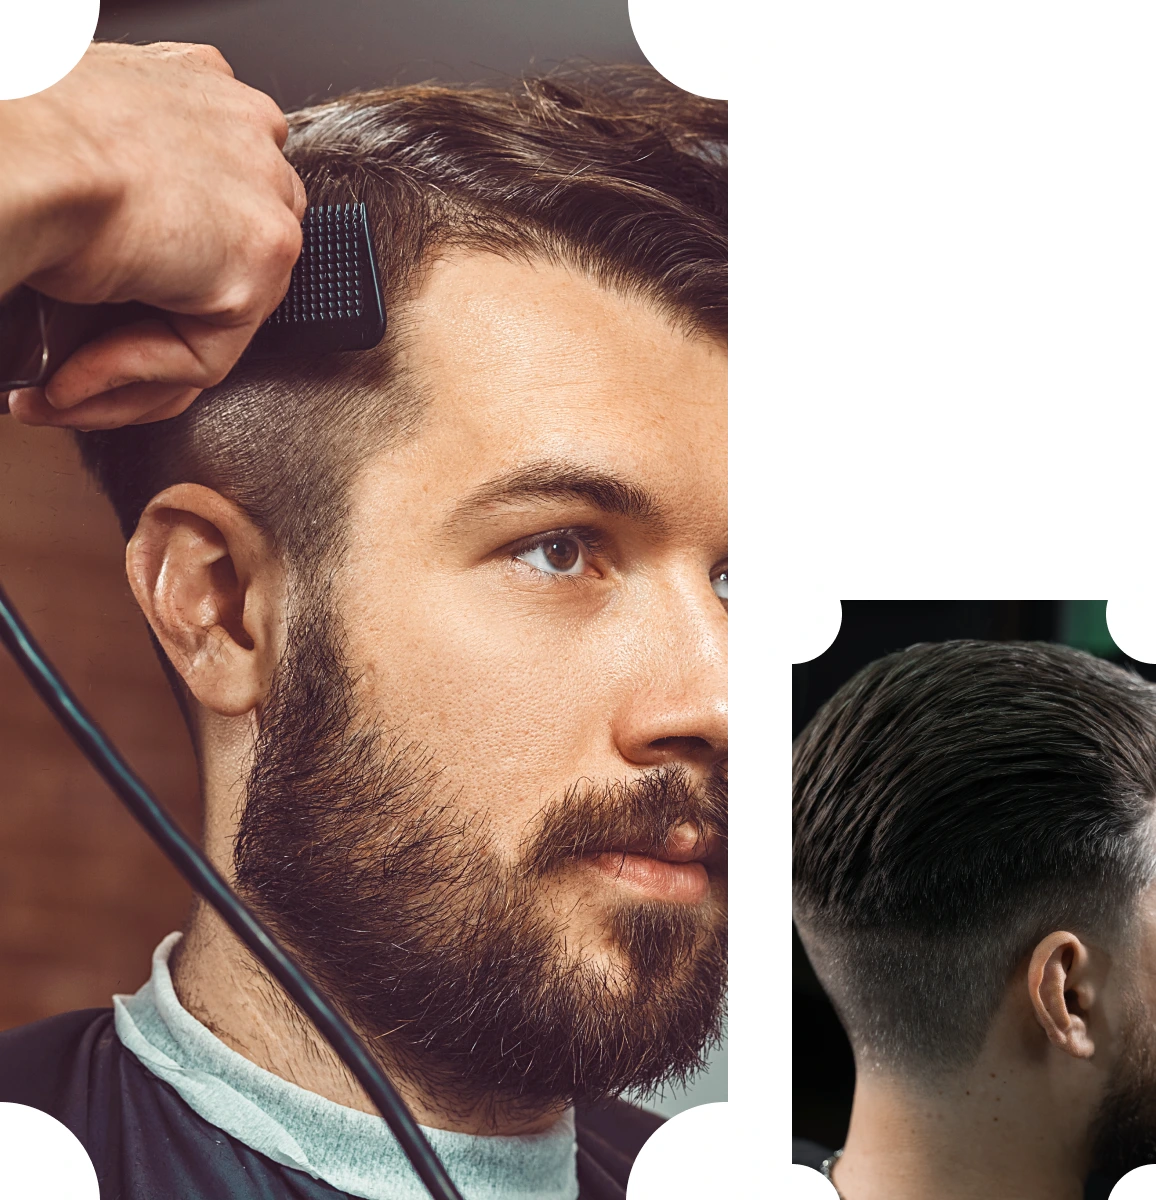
pixel 522 361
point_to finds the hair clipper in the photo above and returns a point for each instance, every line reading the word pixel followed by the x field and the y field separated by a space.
pixel 333 304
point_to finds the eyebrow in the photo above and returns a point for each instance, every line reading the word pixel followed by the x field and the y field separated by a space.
pixel 560 480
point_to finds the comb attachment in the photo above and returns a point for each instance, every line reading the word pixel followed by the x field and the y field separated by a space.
pixel 334 299
pixel 333 304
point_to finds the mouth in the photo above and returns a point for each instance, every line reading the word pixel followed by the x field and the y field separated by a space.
pixel 679 873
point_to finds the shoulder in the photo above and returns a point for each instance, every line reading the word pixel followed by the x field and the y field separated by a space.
pixel 808 1153
pixel 39 1062
pixel 625 1127
pixel 610 1136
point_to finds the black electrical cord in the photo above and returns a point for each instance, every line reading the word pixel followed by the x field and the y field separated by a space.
pixel 205 880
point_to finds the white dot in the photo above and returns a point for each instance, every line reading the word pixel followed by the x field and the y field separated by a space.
pixel 688 41
pixel 1139 1184
pixel 41 41
pixel 40 1157
pixel 790 611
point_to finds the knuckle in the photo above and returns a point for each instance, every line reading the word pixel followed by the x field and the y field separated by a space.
pixel 214 372
pixel 292 193
pixel 265 114
pixel 277 120
pixel 235 301
pixel 215 352
pixel 290 240
pixel 270 250
pixel 280 242
pixel 207 55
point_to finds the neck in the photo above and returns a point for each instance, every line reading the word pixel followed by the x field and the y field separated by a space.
pixel 968 1136
pixel 219 983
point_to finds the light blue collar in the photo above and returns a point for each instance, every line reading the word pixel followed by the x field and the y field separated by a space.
pixel 353 1151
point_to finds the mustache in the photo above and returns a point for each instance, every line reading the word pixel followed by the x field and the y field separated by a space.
pixel 640 814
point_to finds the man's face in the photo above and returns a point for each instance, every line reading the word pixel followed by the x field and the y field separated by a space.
pixel 512 702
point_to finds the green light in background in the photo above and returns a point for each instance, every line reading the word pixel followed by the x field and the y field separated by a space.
pixel 1084 625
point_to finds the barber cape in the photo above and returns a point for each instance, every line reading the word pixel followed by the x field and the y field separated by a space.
pixel 136 1113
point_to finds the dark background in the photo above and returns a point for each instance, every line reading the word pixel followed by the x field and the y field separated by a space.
pixel 300 51
pixel 823 1070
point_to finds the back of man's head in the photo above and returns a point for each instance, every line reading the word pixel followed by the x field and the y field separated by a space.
pixel 954 803
pixel 612 173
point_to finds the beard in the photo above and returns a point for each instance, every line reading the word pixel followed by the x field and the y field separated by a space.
pixel 1124 1130
pixel 447 958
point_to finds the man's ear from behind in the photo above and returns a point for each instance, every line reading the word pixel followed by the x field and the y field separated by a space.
pixel 1062 988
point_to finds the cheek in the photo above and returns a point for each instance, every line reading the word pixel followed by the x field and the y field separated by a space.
pixel 511 704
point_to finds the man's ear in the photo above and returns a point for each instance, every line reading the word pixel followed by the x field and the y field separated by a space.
pixel 1062 992
pixel 207 580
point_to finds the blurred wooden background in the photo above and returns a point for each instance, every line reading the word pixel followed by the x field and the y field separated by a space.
pixel 84 896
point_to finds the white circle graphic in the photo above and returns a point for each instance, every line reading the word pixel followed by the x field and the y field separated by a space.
pixel 731 49
pixel 40 1157
pixel 41 41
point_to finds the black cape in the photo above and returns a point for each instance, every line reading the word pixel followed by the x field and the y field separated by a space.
pixel 147 1144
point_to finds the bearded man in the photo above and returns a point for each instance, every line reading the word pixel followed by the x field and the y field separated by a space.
pixel 447 620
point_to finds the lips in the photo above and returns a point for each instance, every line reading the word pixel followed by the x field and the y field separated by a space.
pixel 654 878
pixel 685 845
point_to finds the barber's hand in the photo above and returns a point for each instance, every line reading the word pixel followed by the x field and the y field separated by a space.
pixel 153 176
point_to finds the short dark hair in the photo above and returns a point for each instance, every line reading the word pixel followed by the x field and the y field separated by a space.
pixel 611 171
pixel 954 803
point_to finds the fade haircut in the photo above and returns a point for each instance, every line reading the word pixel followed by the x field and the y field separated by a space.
pixel 614 173
pixel 953 804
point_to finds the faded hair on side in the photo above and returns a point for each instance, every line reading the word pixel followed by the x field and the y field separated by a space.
pixel 953 804
pixel 612 172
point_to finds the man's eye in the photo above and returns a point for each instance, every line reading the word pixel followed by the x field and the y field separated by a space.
pixel 719 583
pixel 558 554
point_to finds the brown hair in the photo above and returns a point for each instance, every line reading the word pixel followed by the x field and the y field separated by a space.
pixel 614 172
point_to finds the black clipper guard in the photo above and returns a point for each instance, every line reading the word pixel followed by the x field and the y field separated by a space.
pixel 334 301
pixel 333 304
